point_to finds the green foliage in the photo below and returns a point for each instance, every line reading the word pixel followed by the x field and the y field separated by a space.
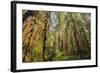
pixel 56 36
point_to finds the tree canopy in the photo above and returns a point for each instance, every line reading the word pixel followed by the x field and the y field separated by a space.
pixel 56 36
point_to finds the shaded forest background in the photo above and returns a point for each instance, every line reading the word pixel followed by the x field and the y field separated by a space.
pixel 55 36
